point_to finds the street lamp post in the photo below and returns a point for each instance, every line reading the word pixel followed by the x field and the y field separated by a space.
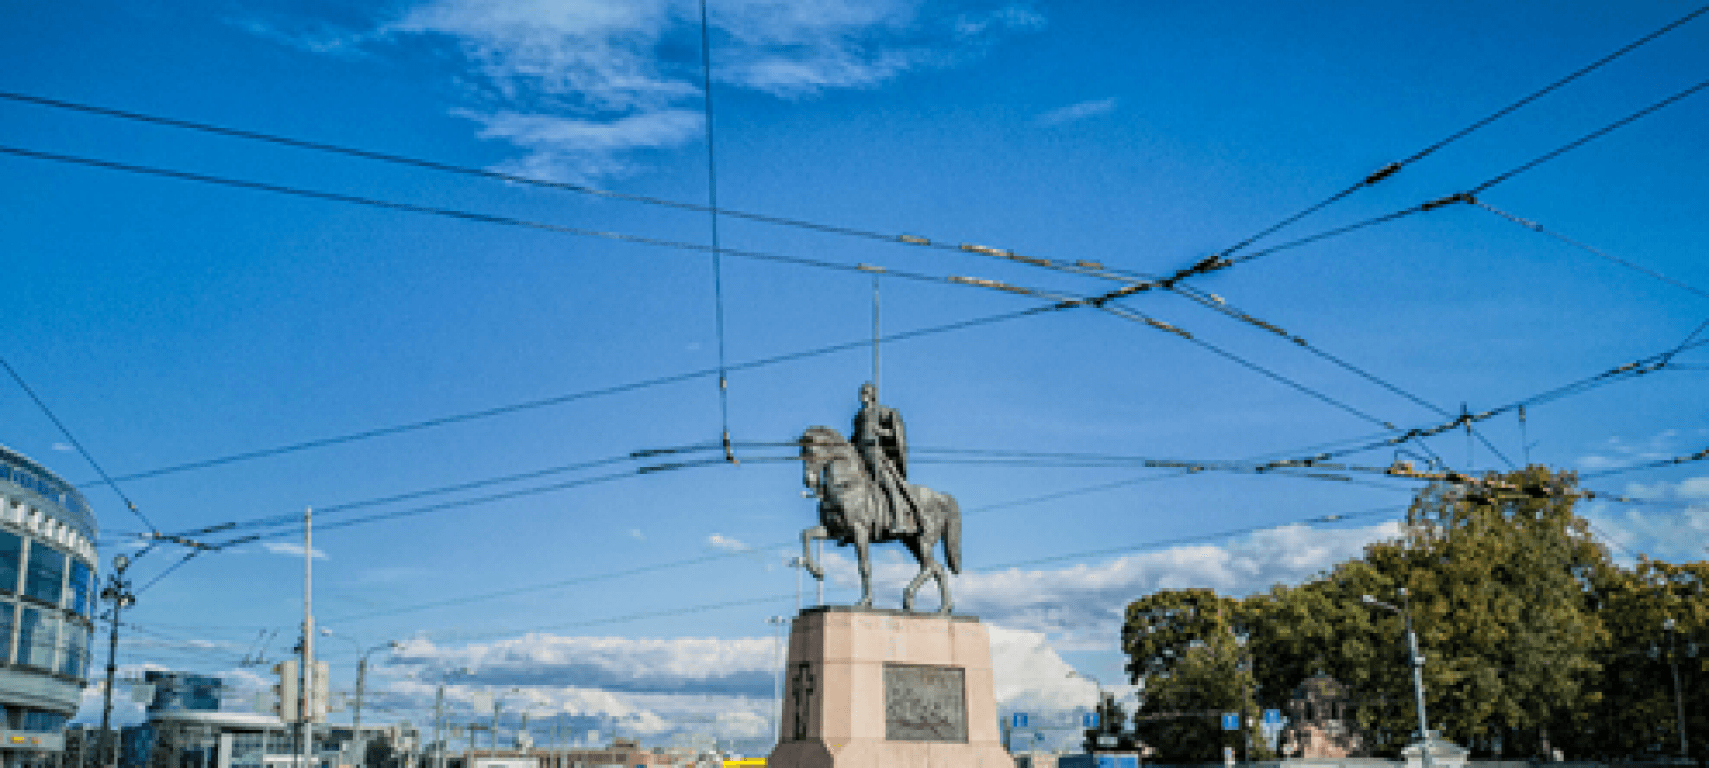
pixel 777 623
pixel 1417 661
pixel 118 590
pixel 361 680
pixel 1678 698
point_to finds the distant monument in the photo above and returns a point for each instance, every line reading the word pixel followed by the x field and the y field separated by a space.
pixel 1321 721
pixel 869 687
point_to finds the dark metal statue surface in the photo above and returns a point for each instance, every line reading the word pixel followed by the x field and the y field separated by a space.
pixel 865 498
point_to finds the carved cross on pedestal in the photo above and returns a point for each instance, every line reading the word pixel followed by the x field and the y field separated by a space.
pixel 801 692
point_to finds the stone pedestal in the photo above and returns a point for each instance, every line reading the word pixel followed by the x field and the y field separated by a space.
pixel 874 688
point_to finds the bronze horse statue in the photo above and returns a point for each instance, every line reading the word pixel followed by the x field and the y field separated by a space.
pixel 851 512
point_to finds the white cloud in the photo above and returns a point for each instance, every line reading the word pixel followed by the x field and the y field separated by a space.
pixel 1677 530
pixel 720 541
pixel 582 87
pixel 62 447
pixel 1080 607
pixel 289 549
pixel 682 665
pixel 1620 452
pixel 1080 111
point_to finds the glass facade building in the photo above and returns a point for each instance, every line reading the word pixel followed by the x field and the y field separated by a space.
pixel 47 596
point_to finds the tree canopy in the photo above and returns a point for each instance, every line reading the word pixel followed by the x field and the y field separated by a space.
pixel 1535 638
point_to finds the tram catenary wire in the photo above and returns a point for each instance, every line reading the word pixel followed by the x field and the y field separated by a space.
pixel 65 431
pixel 1078 266
pixel 1632 369
pixel 1066 302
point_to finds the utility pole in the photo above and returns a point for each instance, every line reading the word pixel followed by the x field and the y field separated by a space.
pixel 118 590
pixel 438 721
pixel 307 688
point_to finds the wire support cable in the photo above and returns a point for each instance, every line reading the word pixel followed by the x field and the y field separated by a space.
pixel 65 431
pixel 1221 306
pixel 1079 266
pixel 1589 137
pixel 1539 228
pixel 487 218
pixel 1129 314
pixel 1632 369
pixel 1395 167
pixel 1702 455
pixel 564 399
pixel 1075 266
pixel 712 217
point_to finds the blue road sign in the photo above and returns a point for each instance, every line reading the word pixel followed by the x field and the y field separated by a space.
pixel 1272 717
pixel 1231 721
pixel 1089 720
pixel 1020 720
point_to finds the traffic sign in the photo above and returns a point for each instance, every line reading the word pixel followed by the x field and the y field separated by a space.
pixel 1020 720
pixel 1089 720
pixel 1231 721
pixel 1272 717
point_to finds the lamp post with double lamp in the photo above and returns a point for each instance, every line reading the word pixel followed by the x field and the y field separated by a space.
pixel 361 680
pixel 1678 698
pixel 1416 659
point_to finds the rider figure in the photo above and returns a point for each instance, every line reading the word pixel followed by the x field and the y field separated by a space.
pixel 882 442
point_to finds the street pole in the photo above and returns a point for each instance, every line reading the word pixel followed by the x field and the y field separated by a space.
pixel 1417 677
pixel 118 591
pixel 438 721
pixel 1678 699
pixel 1416 659
pixel 777 623
pixel 307 687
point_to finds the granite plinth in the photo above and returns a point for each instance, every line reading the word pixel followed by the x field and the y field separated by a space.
pixel 876 688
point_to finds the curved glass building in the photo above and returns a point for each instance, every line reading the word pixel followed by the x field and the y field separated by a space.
pixel 47 572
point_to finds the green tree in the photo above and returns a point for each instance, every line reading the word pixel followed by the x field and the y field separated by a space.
pixel 1508 594
pixel 1638 715
pixel 1186 648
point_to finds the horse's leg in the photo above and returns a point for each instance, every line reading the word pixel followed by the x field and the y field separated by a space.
pixel 930 536
pixel 861 551
pixel 913 545
pixel 807 537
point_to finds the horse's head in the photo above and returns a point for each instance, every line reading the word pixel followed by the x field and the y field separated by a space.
pixel 819 445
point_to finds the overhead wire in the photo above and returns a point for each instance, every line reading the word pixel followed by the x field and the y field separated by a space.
pixel 1587 138
pixel 1080 266
pixel 65 431
pixel 1538 228
pixel 1391 169
pixel 529 405
pixel 1220 305
pixel 511 221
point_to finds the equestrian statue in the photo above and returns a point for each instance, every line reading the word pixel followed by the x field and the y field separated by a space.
pixel 865 498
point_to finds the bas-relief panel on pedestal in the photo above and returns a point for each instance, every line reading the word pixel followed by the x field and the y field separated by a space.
pixel 924 703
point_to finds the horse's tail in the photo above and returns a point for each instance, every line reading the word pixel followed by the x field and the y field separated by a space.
pixel 952 533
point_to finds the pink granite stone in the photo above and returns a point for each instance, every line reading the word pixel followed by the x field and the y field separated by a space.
pixel 846 650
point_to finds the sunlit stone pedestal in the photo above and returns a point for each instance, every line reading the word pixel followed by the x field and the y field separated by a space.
pixel 875 688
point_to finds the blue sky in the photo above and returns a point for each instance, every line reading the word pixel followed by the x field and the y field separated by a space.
pixel 169 321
